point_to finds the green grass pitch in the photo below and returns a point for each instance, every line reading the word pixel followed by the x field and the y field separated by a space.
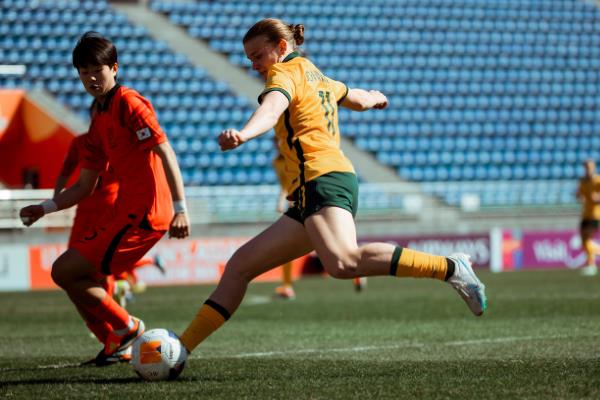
pixel 401 338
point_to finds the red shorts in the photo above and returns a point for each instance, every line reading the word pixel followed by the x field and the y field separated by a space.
pixel 116 246
pixel 83 224
pixel 90 212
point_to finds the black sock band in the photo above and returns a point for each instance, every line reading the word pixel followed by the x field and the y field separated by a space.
pixel 218 308
pixel 395 259
pixel 451 268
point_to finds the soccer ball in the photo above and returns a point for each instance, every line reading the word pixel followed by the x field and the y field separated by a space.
pixel 158 355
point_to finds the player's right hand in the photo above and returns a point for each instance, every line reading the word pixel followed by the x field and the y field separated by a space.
pixel 230 139
pixel 380 98
pixel 30 214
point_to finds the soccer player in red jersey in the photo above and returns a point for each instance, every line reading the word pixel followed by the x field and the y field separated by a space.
pixel 125 134
pixel 87 216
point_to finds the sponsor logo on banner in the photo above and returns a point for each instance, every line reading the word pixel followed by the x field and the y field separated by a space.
pixel 553 249
pixel 477 246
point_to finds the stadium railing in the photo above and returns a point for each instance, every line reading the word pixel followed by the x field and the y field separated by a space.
pixel 377 201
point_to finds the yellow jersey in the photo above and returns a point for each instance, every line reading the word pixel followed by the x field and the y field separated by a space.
pixel 591 209
pixel 279 167
pixel 307 132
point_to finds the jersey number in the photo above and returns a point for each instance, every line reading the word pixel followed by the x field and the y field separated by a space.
pixel 329 110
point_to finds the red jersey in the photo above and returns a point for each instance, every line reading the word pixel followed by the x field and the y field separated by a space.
pixel 105 192
pixel 122 133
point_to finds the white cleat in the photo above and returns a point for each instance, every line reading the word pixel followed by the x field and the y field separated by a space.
pixel 466 283
pixel 590 270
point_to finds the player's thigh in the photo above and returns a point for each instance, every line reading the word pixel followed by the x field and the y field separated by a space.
pixel 283 241
pixel 332 233
pixel 72 266
pixel 115 246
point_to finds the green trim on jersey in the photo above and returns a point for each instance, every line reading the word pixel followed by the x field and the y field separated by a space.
pixel 285 93
pixel 291 56
pixel 300 155
pixel 296 145
pixel 344 96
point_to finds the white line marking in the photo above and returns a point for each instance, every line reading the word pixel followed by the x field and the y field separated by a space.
pixel 338 350
pixel 42 367
pixel 256 300
pixel 403 345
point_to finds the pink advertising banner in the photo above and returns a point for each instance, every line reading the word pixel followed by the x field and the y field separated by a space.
pixel 551 249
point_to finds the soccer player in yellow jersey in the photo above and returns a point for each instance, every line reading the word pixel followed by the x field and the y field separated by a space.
pixel 588 194
pixel 302 104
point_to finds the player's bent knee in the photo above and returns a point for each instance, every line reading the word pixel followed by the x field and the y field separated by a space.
pixel 59 273
pixel 241 265
pixel 235 269
pixel 67 270
pixel 341 269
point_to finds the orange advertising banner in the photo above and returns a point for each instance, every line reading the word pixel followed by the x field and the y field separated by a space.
pixel 40 264
pixel 192 261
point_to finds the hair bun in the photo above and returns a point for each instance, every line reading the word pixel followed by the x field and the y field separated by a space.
pixel 298 32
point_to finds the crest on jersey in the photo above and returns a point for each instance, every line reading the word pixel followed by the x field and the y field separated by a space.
pixel 143 133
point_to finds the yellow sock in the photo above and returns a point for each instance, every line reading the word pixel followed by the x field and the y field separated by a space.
pixel 210 318
pixel 590 250
pixel 287 274
pixel 407 262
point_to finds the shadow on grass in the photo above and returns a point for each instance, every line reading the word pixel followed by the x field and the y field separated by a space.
pixel 82 380
pixel 88 381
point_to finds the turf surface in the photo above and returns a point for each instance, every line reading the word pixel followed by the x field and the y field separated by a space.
pixel 399 339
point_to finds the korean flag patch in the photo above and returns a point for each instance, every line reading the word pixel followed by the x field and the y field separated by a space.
pixel 143 133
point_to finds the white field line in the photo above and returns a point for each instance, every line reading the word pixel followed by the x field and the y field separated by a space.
pixel 42 367
pixel 256 300
pixel 403 345
pixel 355 349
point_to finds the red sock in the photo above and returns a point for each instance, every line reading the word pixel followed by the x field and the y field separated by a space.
pixel 108 310
pixel 99 328
pixel 108 284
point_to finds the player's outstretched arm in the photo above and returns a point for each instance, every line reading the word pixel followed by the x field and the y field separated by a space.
pixel 180 224
pixel 362 100
pixel 65 199
pixel 264 118
pixel 69 166
pixel 61 182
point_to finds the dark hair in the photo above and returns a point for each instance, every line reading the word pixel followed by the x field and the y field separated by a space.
pixel 275 30
pixel 94 49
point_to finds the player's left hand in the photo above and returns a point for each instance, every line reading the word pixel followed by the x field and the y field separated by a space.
pixel 229 139
pixel 180 226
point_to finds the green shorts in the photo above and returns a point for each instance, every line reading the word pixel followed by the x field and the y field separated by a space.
pixel 337 189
